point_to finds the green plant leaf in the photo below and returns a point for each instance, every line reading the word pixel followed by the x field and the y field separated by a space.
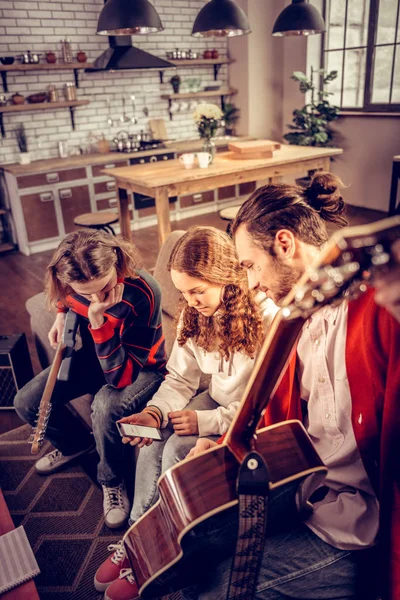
pixel 299 76
pixel 330 76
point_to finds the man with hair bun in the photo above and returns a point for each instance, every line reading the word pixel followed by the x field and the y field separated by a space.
pixel 343 382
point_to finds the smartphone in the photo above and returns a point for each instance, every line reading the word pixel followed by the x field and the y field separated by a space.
pixel 142 431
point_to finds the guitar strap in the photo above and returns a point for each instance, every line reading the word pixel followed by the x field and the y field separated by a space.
pixel 253 490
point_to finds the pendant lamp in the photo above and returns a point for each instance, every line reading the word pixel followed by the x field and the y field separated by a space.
pixel 299 18
pixel 128 17
pixel 220 18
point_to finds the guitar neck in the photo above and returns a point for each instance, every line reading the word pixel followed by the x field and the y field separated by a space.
pixel 44 407
pixel 268 370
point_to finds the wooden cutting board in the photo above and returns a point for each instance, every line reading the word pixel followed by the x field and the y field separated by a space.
pixel 253 147
pixel 158 129
pixel 249 155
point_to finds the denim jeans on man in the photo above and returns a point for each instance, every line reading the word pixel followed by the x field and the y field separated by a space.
pixel 296 564
pixel 68 434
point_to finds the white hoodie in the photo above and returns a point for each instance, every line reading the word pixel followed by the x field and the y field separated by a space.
pixel 227 385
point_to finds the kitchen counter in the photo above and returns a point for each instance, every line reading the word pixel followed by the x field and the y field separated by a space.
pixel 82 160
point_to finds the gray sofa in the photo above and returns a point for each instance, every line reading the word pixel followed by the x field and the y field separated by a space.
pixel 42 320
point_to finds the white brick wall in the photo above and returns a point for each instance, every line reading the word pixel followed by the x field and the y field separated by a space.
pixel 39 26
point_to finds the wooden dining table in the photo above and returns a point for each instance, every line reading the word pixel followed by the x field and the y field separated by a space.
pixel 165 179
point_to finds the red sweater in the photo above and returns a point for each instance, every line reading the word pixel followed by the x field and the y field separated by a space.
pixel 373 370
pixel 131 337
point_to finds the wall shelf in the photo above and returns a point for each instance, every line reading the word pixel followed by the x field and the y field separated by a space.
pixel 74 66
pixel 200 62
pixel 18 108
pixel 213 93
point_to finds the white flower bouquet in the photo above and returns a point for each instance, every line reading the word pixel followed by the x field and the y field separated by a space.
pixel 207 118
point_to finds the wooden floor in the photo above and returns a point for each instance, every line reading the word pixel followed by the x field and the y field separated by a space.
pixel 22 276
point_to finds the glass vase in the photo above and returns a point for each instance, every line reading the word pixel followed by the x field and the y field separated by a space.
pixel 209 146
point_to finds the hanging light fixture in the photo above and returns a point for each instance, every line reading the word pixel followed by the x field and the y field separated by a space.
pixel 299 18
pixel 220 18
pixel 128 17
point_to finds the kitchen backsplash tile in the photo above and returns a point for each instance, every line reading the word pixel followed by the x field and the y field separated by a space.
pixel 39 26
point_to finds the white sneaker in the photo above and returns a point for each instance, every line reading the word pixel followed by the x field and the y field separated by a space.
pixel 56 460
pixel 116 505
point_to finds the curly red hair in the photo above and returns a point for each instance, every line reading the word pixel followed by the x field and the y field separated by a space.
pixel 208 254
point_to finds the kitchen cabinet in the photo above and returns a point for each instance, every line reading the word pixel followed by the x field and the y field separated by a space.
pixel 194 199
pixel 45 179
pixel 47 195
pixel 74 201
pixel 40 216
pixel 228 191
pixel 44 205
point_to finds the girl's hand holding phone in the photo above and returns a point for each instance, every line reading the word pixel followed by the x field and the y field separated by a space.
pixel 142 418
pixel 184 422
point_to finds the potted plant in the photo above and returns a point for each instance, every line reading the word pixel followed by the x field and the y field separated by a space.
pixel 230 115
pixel 22 141
pixel 311 123
pixel 175 81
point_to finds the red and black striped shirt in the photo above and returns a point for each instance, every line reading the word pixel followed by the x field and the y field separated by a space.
pixel 131 337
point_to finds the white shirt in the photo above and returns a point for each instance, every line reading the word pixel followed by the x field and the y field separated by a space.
pixel 347 517
pixel 227 385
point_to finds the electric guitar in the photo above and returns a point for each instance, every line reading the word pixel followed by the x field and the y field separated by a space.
pixel 201 491
pixel 60 370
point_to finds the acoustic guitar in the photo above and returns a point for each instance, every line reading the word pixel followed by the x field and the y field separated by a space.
pixel 60 370
pixel 200 492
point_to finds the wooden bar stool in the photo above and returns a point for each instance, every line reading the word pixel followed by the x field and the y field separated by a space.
pixel 229 214
pixel 98 220
pixel 393 187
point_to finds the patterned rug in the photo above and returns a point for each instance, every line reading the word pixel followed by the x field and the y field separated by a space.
pixel 62 515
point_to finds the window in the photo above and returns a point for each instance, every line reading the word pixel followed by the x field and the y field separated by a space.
pixel 362 43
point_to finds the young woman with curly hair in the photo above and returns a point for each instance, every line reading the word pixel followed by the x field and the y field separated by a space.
pixel 220 331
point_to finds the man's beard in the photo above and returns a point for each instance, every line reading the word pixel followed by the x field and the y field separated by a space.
pixel 288 277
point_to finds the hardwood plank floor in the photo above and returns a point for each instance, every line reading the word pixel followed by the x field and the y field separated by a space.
pixel 22 276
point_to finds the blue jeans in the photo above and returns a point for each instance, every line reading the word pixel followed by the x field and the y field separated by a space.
pixel 67 433
pixel 159 456
pixel 296 564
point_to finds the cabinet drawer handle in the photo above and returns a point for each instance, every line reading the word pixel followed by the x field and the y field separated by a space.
pixel 197 197
pixel 66 193
pixel 112 202
pixel 110 185
pixel 109 166
pixel 46 197
pixel 52 177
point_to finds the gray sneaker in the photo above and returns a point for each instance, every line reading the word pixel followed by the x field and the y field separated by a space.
pixel 56 461
pixel 115 505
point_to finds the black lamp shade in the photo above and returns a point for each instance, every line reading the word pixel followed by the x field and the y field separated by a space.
pixel 220 18
pixel 127 17
pixel 299 18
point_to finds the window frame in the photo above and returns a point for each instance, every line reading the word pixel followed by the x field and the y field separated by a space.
pixel 368 106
